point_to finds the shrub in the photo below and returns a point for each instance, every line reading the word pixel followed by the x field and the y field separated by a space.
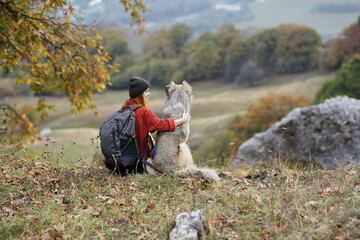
pixel 258 118
pixel 266 112
pixel 249 73
pixel 346 82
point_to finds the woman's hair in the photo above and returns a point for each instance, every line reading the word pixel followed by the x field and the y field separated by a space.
pixel 139 101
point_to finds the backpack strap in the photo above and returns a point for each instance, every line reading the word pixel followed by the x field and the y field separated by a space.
pixel 146 163
pixel 130 107
pixel 152 166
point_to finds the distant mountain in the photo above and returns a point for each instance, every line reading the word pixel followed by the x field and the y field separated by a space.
pixel 328 17
pixel 201 15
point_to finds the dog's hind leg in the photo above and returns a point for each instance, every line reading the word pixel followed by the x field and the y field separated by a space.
pixel 150 170
pixel 184 156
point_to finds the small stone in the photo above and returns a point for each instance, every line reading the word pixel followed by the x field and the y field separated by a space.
pixel 188 226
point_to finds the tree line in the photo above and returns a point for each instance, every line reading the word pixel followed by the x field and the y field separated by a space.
pixel 173 54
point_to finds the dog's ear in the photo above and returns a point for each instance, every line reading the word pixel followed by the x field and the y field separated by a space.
pixel 187 88
pixel 170 88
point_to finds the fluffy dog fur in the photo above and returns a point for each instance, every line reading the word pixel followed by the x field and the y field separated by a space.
pixel 172 153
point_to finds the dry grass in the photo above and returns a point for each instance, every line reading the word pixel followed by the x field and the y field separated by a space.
pixel 42 200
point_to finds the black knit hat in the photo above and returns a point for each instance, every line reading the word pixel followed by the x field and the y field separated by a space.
pixel 137 86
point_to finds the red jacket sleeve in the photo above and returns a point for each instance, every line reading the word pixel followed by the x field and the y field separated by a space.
pixel 154 123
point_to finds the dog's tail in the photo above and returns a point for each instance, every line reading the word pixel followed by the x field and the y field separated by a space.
pixel 204 173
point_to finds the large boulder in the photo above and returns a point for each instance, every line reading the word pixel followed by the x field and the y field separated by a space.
pixel 328 134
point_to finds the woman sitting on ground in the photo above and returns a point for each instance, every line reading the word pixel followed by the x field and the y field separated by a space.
pixel 146 120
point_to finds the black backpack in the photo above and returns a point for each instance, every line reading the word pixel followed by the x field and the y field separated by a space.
pixel 118 142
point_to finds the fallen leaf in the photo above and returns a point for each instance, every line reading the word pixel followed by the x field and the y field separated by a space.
pixel 311 203
pixel 328 190
pixel 112 193
pixel 313 219
pixel 97 214
pixel 103 198
pixel 60 227
pixel 322 229
pixel 247 182
pixel 67 236
pixel 122 201
pixel 161 176
pixel 114 230
pixel 136 231
pixel 257 198
pixel 46 236
pixel 341 236
pixel 283 227
pixel 100 234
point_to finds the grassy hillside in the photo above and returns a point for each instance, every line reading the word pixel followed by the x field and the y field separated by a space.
pixel 215 103
pixel 40 200
pixel 60 189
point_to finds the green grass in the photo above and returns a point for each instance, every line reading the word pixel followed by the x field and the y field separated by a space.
pixel 82 200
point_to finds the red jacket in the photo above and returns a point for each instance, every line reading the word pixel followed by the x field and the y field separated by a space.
pixel 146 121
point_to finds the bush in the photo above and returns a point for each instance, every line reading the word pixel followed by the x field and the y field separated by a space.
pixel 261 116
pixel 249 73
pixel 346 82
pixel 258 118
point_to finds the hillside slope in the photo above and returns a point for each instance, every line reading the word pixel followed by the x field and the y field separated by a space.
pixel 215 103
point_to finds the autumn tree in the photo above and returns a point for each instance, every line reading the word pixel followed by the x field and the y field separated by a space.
pixel 335 54
pixel 297 48
pixel 115 42
pixel 344 47
pixel 204 61
pixel 158 45
pixel 237 55
pixel 179 35
pixel 227 33
pixel 43 45
pixel 265 44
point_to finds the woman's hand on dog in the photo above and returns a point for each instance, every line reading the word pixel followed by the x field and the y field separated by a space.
pixel 183 119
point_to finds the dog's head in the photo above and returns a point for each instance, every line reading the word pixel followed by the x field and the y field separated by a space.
pixel 184 86
pixel 179 98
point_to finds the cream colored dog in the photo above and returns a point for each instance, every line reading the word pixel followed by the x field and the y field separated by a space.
pixel 172 153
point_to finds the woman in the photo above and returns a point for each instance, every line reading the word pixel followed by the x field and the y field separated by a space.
pixel 146 121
